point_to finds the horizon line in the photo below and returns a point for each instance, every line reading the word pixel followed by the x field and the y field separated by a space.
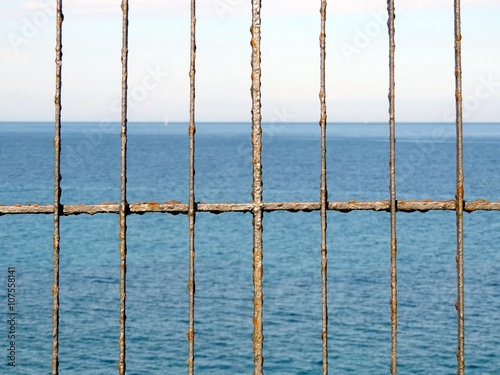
pixel 227 122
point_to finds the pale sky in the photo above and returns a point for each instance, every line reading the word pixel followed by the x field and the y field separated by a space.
pixel 357 60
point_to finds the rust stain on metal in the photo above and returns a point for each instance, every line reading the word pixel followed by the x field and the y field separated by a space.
pixel 392 184
pixel 153 206
pixel 56 208
pixel 175 207
pixel 123 207
pixel 191 198
pixel 459 195
pixel 258 336
pixel 172 202
pixel 323 193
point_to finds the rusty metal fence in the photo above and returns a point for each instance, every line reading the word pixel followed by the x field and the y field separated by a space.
pixel 258 207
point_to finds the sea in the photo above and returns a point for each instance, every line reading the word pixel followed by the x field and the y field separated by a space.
pixel 157 295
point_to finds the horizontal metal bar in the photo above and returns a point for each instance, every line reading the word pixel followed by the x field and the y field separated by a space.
pixel 175 207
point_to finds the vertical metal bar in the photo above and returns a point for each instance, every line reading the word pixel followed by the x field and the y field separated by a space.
pixel 258 336
pixel 123 192
pixel 459 194
pixel 192 205
pixel 393 202
pixel 323 190
pixel 57 190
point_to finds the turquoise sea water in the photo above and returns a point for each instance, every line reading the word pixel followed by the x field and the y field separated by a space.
pixel 358 245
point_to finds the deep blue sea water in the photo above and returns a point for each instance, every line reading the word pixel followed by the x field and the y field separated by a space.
pixel 157 297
